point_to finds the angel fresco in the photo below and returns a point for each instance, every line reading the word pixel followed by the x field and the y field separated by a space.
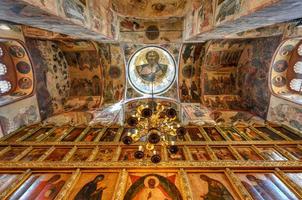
pixel 90 191
pixel 153 70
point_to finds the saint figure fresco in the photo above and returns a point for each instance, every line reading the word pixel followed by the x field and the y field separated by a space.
pixel 153 70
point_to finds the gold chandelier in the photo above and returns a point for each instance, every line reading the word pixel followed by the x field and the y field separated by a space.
pixel 156 125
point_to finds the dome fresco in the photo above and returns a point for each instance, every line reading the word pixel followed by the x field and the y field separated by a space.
pixel 151 70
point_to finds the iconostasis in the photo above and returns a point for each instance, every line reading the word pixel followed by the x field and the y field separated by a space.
pixel 66 162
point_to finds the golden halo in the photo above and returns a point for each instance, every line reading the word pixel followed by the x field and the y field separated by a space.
pixel 151 177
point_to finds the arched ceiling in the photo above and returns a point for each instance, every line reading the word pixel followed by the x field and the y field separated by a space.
pixel 150 9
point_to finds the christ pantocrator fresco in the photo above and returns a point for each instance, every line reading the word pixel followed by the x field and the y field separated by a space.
pixel 151 69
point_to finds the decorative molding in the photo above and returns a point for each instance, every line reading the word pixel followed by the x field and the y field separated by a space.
pixel 100 135
pixel 121 187
pixel 289 182
pixel 21 155
pixel 185 185
pixel 46 154
pixel 118 134
pixel 278 133
pixel 93 154
pixel 238 186
pixel 14 186
pixel 66 132
pixel 117 154
pixel 69 154
pixel 65 192
pixel 235 153
pixel 28 134
pixel 84 132
pixel 219 164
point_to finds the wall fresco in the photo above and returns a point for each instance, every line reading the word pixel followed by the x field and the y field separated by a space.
pixel 113 70
pixel 220 88
pixel 152 8
pixel 21 113
pixel 285 112
pixel 70 17
pixel 70 118
pixel 253 68
pixel 150 31
pixel 52 76
pixel 189 79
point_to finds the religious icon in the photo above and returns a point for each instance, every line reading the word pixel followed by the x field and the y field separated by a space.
pixel 81 154
pixel 295 178
pixel 109 135
pixel 152 187
pixel 223 153
pixel 214 134
pixel 73 135
pixel 41 186
pixel 34 154
pixel 266 186
pixel 11 154
pixel 271 134
pixel 211 186
pixel 38 134
pixel 232 134
pixel 248 153
pixel 271 153
pixel 104 154
pixel 91 135
pixel 293 150
pixel 94 186
pixel 58 154
pixel 178 156
pixel 6 180
pixel 195 134
pixel 57 133
pixel 91 191
pixel 199 153
pixel 250 133
pixel 153 70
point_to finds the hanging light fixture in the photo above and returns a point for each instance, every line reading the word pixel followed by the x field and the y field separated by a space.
pixel 154 126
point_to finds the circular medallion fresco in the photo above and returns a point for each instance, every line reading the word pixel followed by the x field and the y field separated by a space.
pixel 23 67
pixel 279 81
pixel 25 83
pixel 280 66
pixel 151 69
pixel 16 51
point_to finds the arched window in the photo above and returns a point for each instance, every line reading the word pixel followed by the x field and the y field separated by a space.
pixel 286 72
pixel 16 74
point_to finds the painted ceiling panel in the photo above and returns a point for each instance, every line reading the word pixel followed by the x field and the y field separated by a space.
pixel 151 8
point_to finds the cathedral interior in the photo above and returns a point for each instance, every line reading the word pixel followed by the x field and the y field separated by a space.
pixel 151 99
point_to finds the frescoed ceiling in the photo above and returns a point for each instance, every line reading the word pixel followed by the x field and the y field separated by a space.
pixel 151 8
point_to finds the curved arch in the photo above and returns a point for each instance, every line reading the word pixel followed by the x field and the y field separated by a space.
pixel 20 71
pixel 282 70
